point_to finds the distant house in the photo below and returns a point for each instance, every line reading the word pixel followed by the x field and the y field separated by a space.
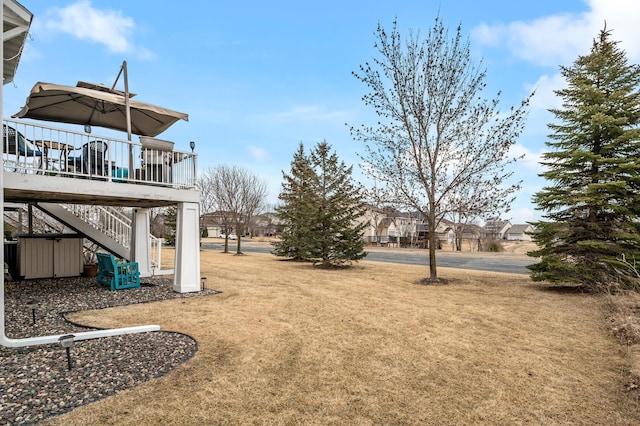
pixel 402 224
pixel 519 233
pixel 496 229
pixel 470 231
pixel 216 222
pixel 388 224
pixel 444 231
pixel 264 225
pixel 377 224
pixel 465 233
pixel 221 222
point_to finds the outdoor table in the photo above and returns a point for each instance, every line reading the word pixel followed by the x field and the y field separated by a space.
pixel 55 145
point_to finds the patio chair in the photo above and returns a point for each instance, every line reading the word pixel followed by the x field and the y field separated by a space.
pixel 15 143
pixel 92 161
pixel 115 274
pixel 157 159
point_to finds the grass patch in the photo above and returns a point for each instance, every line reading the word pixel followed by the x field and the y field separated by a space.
pixel 287 343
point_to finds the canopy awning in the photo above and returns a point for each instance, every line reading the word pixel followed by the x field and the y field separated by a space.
pixel 96 107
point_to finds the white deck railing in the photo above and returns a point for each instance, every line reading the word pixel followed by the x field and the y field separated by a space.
pixel 28 147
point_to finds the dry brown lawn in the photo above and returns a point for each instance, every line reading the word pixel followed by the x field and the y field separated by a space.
pixel 286 343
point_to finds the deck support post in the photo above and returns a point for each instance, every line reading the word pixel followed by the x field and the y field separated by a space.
pixel 187 259
pixel 140 243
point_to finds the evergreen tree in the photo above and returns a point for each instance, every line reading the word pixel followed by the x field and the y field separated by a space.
pixel 337 230
pixel 321 210
pixel 295 211
pixel 591 231
pixel 170 220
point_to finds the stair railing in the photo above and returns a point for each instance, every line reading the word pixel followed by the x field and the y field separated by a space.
pixel 117 225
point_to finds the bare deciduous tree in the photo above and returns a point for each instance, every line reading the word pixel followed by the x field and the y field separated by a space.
pixel 207 196
pixel 208 201
pixel 240 195
pixel 156 221
pixel 436 132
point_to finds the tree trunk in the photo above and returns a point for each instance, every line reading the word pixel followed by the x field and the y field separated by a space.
pixel 433 275
pixel 238 251
pixel 226 239
pixel 239 232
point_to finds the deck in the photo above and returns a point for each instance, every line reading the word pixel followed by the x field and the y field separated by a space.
pixel 43 163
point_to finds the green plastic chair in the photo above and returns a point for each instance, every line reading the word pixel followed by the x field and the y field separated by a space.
pixel 117 275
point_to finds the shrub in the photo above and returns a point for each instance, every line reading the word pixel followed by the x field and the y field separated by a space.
pixel 494 246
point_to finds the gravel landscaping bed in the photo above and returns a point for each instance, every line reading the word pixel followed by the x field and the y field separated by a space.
pixel 35 382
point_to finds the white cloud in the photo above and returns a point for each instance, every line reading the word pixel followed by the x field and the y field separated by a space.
pixel 107 27
pixel 521 215
pixel 531 160
pixel 257 153
pixel 544 99
pixel 560 38
pixel 622 17
pixel 545 88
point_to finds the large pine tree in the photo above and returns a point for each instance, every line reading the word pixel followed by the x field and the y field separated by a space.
pixel 321 210
pixel 591 229
pixel 294 213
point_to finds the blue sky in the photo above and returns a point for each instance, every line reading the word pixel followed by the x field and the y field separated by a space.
pixel 257 78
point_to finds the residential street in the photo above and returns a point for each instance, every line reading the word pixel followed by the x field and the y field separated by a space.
pixel 494 262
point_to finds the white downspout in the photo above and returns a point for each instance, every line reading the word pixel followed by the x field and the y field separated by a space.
pixel 85 335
